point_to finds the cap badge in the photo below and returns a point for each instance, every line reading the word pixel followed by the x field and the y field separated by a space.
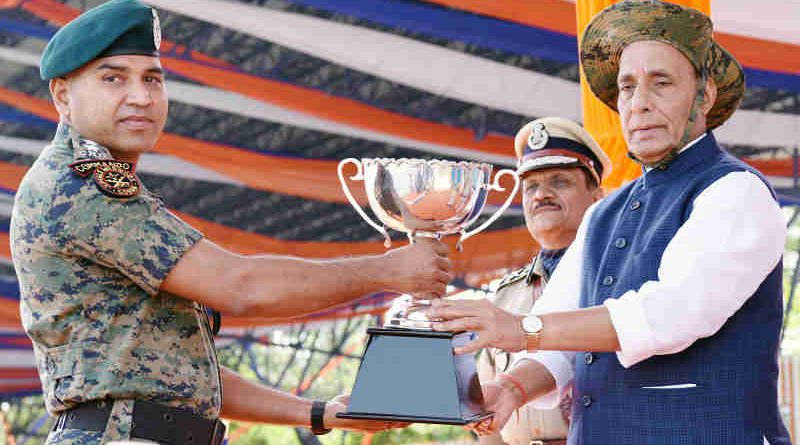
pixel 156 30
pixel 539 137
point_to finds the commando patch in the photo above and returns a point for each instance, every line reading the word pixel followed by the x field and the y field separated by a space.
pixel 115 181
pixel 112 177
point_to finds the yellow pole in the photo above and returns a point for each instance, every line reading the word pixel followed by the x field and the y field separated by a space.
pixel 601 121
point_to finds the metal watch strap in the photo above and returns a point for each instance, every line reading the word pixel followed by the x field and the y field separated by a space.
pixel 317 418
pixel 532 340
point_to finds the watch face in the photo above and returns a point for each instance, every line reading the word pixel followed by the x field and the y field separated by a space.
pixel 532 324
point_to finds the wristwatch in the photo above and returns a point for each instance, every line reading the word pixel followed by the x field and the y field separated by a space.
pixel 532 327
pixel 317 416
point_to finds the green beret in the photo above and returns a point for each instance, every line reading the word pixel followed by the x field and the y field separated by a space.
pixel 118 27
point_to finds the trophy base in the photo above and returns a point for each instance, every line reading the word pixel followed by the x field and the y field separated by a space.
pixel 416 419
pixel 404 323
pixel 412 375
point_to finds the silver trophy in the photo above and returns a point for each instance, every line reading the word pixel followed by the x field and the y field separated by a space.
pixel 428 198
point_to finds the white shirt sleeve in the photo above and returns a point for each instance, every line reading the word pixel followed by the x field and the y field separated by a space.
pixel 562 293
pixel 732 240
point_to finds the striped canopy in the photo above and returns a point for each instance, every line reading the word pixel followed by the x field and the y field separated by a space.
pixel 268 95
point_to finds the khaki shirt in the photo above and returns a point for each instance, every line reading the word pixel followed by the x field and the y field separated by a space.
pixel 517 293
pixel 90 266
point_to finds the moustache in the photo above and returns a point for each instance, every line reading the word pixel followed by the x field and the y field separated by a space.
pixel 545 203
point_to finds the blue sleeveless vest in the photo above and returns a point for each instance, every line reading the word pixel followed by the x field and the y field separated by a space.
pixel 735 370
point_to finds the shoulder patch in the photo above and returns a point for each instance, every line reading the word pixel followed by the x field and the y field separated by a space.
pixel 112 177
pixel 515 276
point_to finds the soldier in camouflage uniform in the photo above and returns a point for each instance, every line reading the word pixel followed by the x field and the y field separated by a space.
pixel 561 167
pixel 664 315
pixel 114 286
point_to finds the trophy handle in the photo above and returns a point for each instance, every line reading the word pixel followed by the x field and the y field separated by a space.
pixel 496 187
pixel 359 176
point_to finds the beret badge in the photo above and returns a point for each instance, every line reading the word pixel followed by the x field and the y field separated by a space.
pixel 156 30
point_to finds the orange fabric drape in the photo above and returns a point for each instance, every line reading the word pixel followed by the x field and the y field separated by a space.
pixel 60 14
pixel 5 245
pixel 601 121
pixel 553 15
pixel 9 313
pixel 217 73
pixel 558 15
pixel 289 176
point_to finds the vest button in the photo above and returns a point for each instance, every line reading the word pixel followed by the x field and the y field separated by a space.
pixel 635 205
pixel 587 401
pixel 588 358
pixel 608 280
pixel 620 243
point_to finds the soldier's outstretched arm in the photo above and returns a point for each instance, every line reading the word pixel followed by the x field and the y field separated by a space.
pixel 251 402
pixel 284 287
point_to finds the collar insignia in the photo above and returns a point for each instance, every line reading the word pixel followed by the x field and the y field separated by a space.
pixel 88 149
pixel 514 277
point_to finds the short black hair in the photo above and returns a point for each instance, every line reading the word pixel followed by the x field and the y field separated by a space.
pixel 591 182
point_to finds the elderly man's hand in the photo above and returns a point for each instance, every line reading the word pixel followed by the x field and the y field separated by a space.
pixel 501 399
pixel 495 327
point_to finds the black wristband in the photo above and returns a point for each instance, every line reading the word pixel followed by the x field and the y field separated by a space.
pixel 317 418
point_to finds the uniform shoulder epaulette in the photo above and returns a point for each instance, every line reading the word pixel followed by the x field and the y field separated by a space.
pixel 515 276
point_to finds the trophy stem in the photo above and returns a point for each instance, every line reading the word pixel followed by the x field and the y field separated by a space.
pixel 422 234
pixel 407 313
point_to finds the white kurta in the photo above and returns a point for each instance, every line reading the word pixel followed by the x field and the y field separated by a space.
pixel 731 241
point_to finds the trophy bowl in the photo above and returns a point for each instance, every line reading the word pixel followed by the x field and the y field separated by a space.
pixel 425 197
pixel 428 198
pixel 417 196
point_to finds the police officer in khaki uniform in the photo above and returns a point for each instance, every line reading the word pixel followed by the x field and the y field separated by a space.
pixel 114 286
pixel 561 166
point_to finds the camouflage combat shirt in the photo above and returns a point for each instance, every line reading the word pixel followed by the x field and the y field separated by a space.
pixel 90 266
